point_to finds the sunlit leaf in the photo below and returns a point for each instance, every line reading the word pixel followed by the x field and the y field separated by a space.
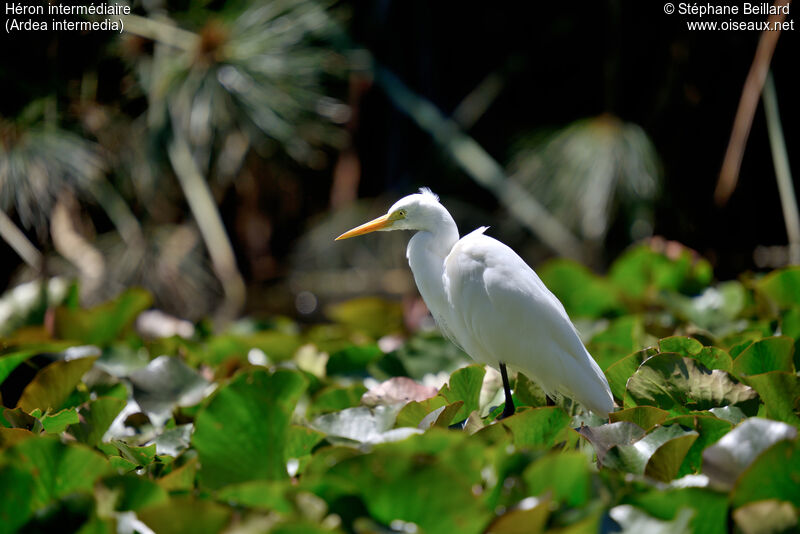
pixel 644 416
pixel 166 382
pixel 710 430
pixel 414 412
pixel 780 392
pixel 782 286
pixel 103 323
pixel 606 437
pixel 241 433
pixel 537 427
pixel 772 475
pixel 528 520
pixel 710 507
pixel 724 461
pixel 619 373
pixel 59 469
pixel 765 355
pixel 642 271
pixel 685 346
pixel 140 456
pixel 53 384
pixel 398 389
pixel 679 385
pixel 658 454
pixel 465 385
pixel 96 418
pixel 363 425
pixel 56 423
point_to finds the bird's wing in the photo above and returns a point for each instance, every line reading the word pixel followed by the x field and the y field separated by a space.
pixel 500 311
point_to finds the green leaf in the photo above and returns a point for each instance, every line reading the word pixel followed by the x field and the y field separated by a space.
pixel 465 385
pixel 53 384
pixel 58 422
pixel 622 337
pixel 518 521
pixel 685 346
pixel 782 286
pixel 710 430
pixel 140 456
pixel 354 426
pixel 11 360
pixel 334 398
pixel 186 514
pixel 181 478
pixel 644 416
pixel 16 498
pixel 773 475
pixel 605 437
pixel 780 392
pixel 770 354
pixel 641 272
pixel 241 433
pixel 582 293
pixel 710 507
pixel 58 469
pixel 96 419
pixel 427 479
pixel 565 474
pixel 537 427
pixel 353 359
pixel 414 412
pixel 658 454
pixel 104 323
pixel 260 494
pixel 166 382
pixel 714 358
pixel 619 373
pixel 724 461
pixel 528 392
pixel 680 385
pixel 372 316
pixel 132 492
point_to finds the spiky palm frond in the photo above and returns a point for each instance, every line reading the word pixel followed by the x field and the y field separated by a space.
pixel 37 162
pixel 588 170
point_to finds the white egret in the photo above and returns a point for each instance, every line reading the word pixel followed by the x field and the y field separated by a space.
pixel 489 302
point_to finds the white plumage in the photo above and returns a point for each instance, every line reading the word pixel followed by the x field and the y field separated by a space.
pixel 489 302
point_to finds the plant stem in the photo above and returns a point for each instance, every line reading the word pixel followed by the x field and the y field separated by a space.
pixel 783 173
pixel 19 242
pixel 204 209
pixel 478 164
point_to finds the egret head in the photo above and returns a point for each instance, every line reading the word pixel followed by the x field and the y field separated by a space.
pixel 420 211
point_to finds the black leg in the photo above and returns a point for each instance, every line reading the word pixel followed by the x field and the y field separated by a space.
pixel 549 401
pixel 509 407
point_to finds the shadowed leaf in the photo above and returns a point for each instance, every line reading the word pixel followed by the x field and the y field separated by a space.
pixel 765 355
pixel 53 384
pixel 780 466
pixel 644 416
pixel 465 385
pixel 103 323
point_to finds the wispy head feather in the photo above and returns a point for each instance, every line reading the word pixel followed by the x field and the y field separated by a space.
pixel 427 192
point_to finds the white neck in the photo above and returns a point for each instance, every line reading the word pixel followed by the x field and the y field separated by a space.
pixel 426 253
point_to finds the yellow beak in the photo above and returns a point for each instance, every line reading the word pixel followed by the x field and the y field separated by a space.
pixel 376 224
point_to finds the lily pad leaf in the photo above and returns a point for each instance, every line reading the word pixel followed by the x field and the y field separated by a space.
pixel 778 466
pixel 710 430
pixel 782 286
pixel 165 383
pixel 769 515
pixel 362 425
pixel 96 419
pixel 16 496
pixel 606 437
pixel 644 416
pixel 104 323
pixel 241 434
pixel 680 385
pixel 780 392
pixel 414 412
pixel 334 398
pixel 724 461
pixel 59 469
pixel 623 336
pixel 565 474
pixel 132 492
pixel 186 514
pixel 619 373
pixel 658 454
pixel 51 386
pixel 465 385
pixel 583 293
pixel 710 507
pixel 685 346
pixel 58 422
pixel 537 427
pixel 260 494
pixel 398 389
pixel 765 355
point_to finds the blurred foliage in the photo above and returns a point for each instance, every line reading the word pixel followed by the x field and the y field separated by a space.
pixel 272 427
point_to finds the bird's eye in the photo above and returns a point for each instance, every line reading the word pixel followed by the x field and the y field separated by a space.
pixel 402 213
